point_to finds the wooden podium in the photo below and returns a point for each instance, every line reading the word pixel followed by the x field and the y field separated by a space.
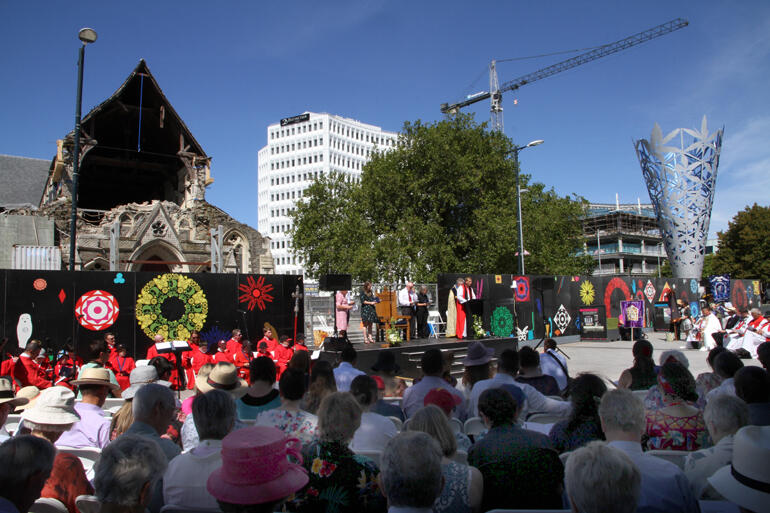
pixel 387 309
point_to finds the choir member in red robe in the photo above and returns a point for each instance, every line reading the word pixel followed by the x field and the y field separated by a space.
pixel 269 337
pixel 222 354
pixel 463 293
pixel 299 344
pixel 283 353
pixel 242 360
pixel 152 352
pixel 122 365
pixel 111 344
pixel 195 358
pixel 27 371
pixel 235 344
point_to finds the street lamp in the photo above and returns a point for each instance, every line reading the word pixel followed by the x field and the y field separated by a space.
pixel 515 152
pixel 86 36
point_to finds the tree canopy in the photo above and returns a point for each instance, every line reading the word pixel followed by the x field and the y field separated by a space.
pixel 745 245
pixel 444 200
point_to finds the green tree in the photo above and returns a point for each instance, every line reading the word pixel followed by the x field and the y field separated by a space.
pixel 745 246
pixel 444 200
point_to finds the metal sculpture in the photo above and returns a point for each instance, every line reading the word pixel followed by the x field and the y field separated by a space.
pixel 680 170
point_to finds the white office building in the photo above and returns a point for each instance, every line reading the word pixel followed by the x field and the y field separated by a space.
pixel 299 150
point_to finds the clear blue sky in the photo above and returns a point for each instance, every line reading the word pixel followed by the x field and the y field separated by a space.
pixel 232 68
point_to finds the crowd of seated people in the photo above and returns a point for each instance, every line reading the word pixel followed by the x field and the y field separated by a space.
pixel 244 446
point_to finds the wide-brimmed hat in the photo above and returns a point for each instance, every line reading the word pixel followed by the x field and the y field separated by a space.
pixel 442 398
pixel 746 482
pixel 478 354
pixel 6 394
pixel 255 468
pixel 30 393
pixel 224 376
pixel 95 376
pixel 729 306
pixel 386 362
pixel 141 376
pixel 55 406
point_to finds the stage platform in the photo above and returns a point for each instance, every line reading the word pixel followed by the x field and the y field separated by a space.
pixel 409 353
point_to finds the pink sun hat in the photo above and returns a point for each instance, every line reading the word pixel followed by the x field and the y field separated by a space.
pixel 255 468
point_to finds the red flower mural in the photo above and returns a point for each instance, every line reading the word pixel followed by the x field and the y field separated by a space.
pixel 255 293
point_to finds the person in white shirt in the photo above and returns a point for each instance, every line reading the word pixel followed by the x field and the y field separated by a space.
pixel 184 483
pixel 726 364
pixel 375 430
pixel 411 475
pixel 554 364
pixel 407 304
pixel 664 486
pixel 507 367
pixel 346 371
pixel 724 416
pixel 711 326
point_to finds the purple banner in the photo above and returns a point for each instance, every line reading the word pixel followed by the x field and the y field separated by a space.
pixel 633 313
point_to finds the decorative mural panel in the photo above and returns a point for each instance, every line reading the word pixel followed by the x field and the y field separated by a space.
pixel 555 303
pixel 59 307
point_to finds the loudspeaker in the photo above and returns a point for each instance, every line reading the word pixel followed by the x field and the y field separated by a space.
pixel 335 343
pixel 332 282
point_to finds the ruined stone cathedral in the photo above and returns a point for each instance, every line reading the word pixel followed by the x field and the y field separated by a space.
pixel 143 177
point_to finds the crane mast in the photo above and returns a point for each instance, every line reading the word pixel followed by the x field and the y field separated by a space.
pixel 495 93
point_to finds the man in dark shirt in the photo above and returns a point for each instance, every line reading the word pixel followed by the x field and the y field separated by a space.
pixel 520 468
pixel 530 373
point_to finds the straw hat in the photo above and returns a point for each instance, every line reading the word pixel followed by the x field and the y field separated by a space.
pixel 478 354
pixel 6 394
pixel 224 376
pixel 139 377
pixel 54 407
pixel 746 482
pixel 95 376
pixel 30 393
pixel 255 468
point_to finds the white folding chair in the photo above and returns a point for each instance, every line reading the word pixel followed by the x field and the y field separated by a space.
pixel 111 402
pixel 456 425
pixel 564 456
pixel 641 394
pixel 675 457
pixel 87 504
pixel 544 418
pixel 11 427
pixel 474 426
pixel 142 363
pixel 47 505
pixel 397 422
pixel 372 455
pixel 436 323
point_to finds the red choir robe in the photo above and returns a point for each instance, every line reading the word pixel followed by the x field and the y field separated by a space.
pixel 300 347
pixel 66 370
pixel 28 372
pixel 242 360
pixel 233 347
pixel 122 367
pixel 282 357
pixel 462 294
pixel 6 368
pixel 266 354
pixel 271 343
pixel 223 357
pixel 192 361
pixel 152 352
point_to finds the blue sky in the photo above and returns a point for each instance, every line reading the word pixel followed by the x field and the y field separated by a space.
pixel 232 68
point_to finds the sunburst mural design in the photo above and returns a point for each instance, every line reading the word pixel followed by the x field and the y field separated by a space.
pixel 255 293
pixel 587 292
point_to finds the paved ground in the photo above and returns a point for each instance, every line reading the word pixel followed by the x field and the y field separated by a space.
pixel 608 359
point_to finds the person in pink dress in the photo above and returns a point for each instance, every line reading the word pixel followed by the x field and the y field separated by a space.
pixel 342 310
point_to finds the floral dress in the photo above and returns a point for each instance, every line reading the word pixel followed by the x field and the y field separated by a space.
pixel 368 312
pixel 676 433
pixel 340 481
pixel 454 496
pixel 299 424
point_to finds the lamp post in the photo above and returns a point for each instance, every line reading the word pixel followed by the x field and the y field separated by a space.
pixel 86 36
pixel 515 152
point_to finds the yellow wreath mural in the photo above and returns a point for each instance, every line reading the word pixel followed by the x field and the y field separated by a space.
pixel 149 307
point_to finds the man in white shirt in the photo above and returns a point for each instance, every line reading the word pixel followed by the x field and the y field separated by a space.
pixel 407 304
pixel 345 371
pixel 184 483
pixel 554 364
pixel 664 486
pixel 507 367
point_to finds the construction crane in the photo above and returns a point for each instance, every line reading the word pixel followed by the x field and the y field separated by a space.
pixel 495 93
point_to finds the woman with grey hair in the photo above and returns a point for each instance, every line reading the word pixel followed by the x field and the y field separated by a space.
pixel 52 414
pixel 339 480
pixel 463 485
pixel 184 483
pixel 411 476
pixel 599 478
pixel 127 474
